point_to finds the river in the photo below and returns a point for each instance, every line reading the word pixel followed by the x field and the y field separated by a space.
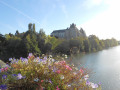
pixel 105 67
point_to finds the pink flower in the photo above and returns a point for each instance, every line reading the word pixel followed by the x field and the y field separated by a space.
pixel 42 80
pixel 62 62
pixel 57 88
pixel 70 69
pixel 58 71
pixel 6 68
pixel 67 67
pixel 81 71
pixel 2 69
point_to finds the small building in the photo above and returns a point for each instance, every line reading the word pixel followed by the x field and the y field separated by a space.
pixel 69 33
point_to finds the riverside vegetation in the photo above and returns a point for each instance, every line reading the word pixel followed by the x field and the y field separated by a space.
pixel 20 44
pixel 44 73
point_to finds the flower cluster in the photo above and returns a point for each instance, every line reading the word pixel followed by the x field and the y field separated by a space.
pixel 3 69
pixel 44 73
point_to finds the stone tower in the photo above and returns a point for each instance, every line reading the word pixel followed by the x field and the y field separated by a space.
pixel 31 26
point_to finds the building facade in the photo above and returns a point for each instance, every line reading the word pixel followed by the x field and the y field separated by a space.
pixel 69 33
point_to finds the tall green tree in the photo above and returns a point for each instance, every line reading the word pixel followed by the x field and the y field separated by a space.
pixel 87 45
pixel 94 41
pixel 31 43
pixel 42 34
pixel 3 44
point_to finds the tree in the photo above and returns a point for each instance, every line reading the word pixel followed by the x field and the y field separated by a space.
pixel 3 44
pixel 53 41
pixel 63 48
pixel 94 42
pixel 42 34
pixel 87 46
pixel 102 45
pixel 74 43
pixel 48 47
pixel 41 44
pixel 17 33
pixel 34 28
pixel 31 43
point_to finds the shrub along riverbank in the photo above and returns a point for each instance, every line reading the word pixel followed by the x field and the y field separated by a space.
pixel 20 44
pixel 44 73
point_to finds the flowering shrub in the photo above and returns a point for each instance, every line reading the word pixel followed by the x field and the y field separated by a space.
pixel 39 73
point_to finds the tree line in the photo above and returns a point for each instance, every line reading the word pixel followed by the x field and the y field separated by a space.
pixel 21 44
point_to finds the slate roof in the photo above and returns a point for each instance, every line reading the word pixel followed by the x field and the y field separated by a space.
pixel 62 30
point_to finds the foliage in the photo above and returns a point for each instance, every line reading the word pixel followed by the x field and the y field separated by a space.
pixel 94 41
pixel 53 41
pixel 63 48
pixel 2 45
pixel 34 73
pixel 21 44
pixel 87 45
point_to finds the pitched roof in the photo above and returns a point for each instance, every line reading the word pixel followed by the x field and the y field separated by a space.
pixel 62 30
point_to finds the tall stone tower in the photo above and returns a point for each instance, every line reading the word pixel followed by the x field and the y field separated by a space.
pixel 72 32
pixel 31 26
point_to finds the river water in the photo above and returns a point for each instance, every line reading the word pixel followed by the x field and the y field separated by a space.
pixel 105 67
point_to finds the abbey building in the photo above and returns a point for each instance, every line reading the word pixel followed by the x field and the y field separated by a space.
pixel 69 33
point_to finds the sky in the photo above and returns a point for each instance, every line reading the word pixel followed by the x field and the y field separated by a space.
pixel 98 17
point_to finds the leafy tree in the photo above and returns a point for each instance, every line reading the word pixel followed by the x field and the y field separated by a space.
pixel 48 47
pixel 31 44
pixel 3 44
pixel 41 44
pixel 94 41
pixel 63 48
pixel 87 45
pixel 34 28
pixel 42 34
pixel 74 43
pixel 53 41
pixel 102 45
pixel 13 42
pixel 17 33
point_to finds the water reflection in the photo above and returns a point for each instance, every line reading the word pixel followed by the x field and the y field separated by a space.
pixel 104 64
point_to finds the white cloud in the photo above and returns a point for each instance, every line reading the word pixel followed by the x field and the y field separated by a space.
pixel 105 24
pixel 91 3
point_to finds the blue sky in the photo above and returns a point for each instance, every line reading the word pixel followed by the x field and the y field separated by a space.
pixel 99 17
